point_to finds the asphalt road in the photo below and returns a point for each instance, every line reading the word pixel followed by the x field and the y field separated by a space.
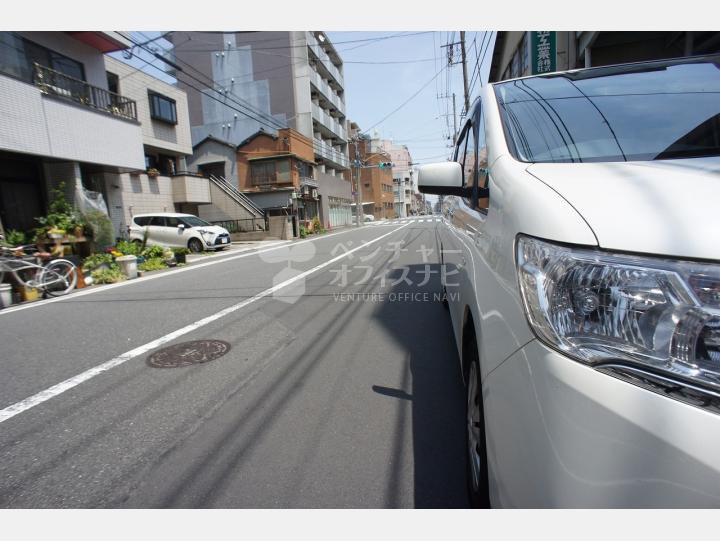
pixel 333 394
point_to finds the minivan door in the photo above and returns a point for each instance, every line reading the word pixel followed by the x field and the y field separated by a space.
pixel 454 250
pixel 156 230
pixel 174 235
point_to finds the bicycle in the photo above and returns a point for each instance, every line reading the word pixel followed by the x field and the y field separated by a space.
pixel 55 277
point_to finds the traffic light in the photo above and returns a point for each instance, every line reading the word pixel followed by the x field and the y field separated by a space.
pixel 384 165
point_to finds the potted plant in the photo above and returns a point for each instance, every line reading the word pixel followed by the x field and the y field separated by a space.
pixel 181 254
pixel 152 172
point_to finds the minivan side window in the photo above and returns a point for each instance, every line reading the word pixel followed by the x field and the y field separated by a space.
pixel 172 221
pixel 482 159
pixel 461 148
pixel 157 220
pixel 141 220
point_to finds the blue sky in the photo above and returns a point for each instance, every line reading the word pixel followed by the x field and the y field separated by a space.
pixel 374 90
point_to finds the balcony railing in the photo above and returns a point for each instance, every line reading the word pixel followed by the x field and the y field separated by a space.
pixel 58 84
pixel 327 152
pixel 318 51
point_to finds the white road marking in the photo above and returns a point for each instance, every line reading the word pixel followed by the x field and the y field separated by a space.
pixel 51 392
pixel 175 272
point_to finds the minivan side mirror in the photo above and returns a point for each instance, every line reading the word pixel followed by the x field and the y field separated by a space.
pixel 442 178
pixel 181 226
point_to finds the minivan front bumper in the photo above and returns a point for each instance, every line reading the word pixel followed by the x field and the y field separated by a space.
pixel 562 434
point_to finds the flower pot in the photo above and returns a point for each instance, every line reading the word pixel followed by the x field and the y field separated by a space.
pixel 5 295
pixel 128 265
pixel 29 293
pixel 181 258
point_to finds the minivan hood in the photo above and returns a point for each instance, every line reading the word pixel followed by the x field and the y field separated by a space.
pixel 214 229
pixel 668 207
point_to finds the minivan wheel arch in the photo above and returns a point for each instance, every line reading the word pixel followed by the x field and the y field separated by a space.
pixel 196 242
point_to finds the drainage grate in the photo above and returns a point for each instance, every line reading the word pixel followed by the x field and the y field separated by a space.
pixel 188 353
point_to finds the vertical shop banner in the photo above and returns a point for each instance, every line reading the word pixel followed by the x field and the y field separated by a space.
pixel 544 52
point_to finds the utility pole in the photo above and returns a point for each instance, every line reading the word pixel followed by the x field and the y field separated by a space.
pixel 454 122
pixel 464 66
pixel 359 214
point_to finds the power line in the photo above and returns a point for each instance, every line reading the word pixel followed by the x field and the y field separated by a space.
pixel 290 46
pixel 406 101
pixel 245 113
pixel 269 120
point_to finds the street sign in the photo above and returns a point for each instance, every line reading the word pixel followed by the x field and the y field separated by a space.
pixel 544 51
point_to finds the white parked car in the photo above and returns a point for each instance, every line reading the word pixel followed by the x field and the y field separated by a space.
pixel 178 230
pixel 581 238
pixel 366 218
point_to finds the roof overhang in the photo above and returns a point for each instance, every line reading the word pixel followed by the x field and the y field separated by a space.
pixel 105 42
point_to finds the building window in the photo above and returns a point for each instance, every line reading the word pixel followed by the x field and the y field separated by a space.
pixel 162 108
pixel 262 173
pixel 113 82
pixel 282 169
pixel 19 54
pixel 305 170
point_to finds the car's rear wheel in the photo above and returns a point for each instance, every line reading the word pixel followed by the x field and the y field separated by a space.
pixel 195 246
pixel 477 469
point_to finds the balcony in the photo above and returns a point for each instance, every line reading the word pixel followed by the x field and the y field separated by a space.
pixel 327 152
pixel 320 53
pixel 58 84
pixel 326 92
pixel 190 188
pixel 329 123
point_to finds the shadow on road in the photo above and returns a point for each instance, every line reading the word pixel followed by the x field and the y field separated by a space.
pixel 419 322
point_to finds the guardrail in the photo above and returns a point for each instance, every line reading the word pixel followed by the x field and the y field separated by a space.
pixel 58 84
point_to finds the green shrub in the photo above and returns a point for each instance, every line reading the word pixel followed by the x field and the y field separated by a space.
pixel 152 264
pixel 61 214
pixel 129 248
pixel 180 251
pixel 303 232
pixel 15 238
pixel 95 260
pixel 317 225
pixel 152 252
pixel 107 276
pixel 101 227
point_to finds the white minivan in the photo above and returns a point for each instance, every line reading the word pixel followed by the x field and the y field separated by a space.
pixel 581 231
pixel 178 231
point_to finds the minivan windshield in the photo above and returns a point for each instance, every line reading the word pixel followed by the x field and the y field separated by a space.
pixel 654 111
pixel 194 221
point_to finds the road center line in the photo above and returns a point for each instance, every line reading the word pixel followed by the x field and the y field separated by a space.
pixel 51 392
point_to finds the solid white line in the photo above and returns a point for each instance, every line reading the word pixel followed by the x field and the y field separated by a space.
pixel 194 266
pixel 55 390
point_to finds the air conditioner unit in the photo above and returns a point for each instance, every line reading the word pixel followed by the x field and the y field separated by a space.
pixel 305 190
pixel 314 194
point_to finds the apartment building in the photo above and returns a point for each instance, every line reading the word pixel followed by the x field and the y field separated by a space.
pixel 517 54
pixel 74 115
pixel 163 183
pixel 271 81
pixel 60 120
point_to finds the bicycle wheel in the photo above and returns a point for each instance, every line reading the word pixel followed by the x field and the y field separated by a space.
pixel 58 277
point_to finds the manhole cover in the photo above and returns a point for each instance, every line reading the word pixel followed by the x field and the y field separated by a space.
pixel 187 353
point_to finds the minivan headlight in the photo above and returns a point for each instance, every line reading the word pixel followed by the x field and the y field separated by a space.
pixel 600 307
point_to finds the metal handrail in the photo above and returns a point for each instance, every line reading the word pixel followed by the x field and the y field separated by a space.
pixel 58 84
pixel 236 194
